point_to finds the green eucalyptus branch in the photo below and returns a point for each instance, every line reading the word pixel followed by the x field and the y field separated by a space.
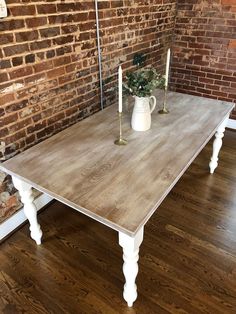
pixel 142 82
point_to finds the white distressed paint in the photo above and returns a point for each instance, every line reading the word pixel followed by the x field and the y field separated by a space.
pixel 12 88
pixel 217 145
pixel 30 210
pixel 130 247
pixel 13 222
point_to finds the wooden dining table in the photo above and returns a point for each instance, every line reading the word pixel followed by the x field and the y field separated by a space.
pixel 120 186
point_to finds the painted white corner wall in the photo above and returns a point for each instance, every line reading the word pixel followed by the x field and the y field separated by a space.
pixel 231 124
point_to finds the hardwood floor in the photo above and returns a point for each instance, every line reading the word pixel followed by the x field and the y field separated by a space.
pixel 187 259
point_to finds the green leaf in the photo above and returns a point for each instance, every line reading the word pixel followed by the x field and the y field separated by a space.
pixel 142 82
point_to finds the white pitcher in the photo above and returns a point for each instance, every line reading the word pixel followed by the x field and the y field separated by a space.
pixel 141 116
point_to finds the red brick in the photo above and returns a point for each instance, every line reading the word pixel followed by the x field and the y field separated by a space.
pixel 232 43
pixel 36 21
pixel 30 139
pixel 22 72
pixel 229 78
pixel 8 119
pixel 66 7
pixel 43 66
pixel 36 127
pixel 14 139
pixel 46 8
pixel 63 40
pixel 17 61
pixel 2 112
pixel 27 36
pixel 62 61
pixel 210 38
pixel 4 64
pixel 19 125
pixel 3 132
pixel 3 77
pixel 228 2
pixel 56 72
pixel 49 32
pixel 16 106
pixel 6 38
pixel 23 10
pixel 6 98
pixel 12 24
pixel 16 50
pixel 38 45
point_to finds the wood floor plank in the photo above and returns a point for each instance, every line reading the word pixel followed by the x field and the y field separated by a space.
pixel 187 259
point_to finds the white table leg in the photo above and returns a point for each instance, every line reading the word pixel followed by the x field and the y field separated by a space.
pixel 30 209
pixel 130 247
pixel 217 145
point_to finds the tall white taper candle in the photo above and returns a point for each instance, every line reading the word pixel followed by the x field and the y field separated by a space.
pixel 167 67
pixel 120 88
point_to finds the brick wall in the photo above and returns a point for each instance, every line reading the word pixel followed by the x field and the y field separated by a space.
pixel 204 58
pixel 49 67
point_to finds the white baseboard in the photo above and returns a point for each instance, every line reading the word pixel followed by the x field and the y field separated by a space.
pixel 18 218
pixel 231 124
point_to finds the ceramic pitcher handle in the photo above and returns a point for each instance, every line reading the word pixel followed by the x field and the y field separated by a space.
pixel 153 105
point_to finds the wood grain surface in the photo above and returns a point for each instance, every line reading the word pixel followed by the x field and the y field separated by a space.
pixel 121 186
pixel 187 260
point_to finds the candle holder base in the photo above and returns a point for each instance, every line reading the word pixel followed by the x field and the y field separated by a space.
pixel 121 142
pixel 164 111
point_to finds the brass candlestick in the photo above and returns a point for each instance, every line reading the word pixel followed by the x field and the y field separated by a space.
pixel 164 110
pixel 120 141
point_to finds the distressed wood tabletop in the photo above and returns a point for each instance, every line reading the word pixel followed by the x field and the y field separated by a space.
pixel 121 186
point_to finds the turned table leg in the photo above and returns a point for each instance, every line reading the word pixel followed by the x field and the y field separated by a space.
pixel 217 145
pixel 130 247
pixel 30 210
